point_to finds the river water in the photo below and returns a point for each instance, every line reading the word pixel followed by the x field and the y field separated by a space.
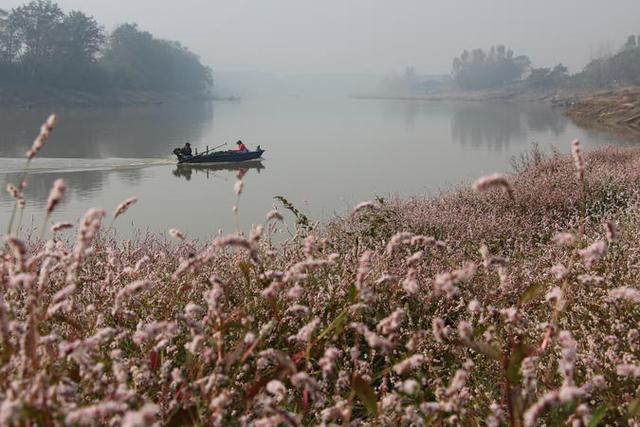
pixel 324 155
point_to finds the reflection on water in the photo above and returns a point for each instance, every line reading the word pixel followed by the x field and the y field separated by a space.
pixel 323 155
pixel 133 132
pixel 209 170
pixel 494 126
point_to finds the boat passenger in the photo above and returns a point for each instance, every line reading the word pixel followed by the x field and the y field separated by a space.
pixel 186 150
pixel 241 147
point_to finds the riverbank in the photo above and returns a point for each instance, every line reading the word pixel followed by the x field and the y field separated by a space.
pixel 52 98
pixel 467 308
pixel 518 92
pixel 616 110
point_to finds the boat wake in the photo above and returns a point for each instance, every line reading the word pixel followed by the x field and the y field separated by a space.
pixel 57 165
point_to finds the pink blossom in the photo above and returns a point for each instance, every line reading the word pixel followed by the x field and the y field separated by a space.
pixel 363 206
pixel 578 159
pixel 494 181
pixel 57 191
pixel 43 136
pixel 594 253
pixel 124 206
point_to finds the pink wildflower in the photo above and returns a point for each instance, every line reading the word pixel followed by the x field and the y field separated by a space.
pixel 559 271
pixel 277 389
pixel 398 240
pixel 610 231
pixel 578 159
pixel 391 323
pixel 122 207
pixel 142 417
pixel 274 215
pixel 594 253
pixel 564 239
pixel 43 136
pixel 626 292
pixel 327 362
pixel 59 226
pixel 57 191
pixel 494 181
pixel 412 362
pixel 176 234
pixel 362 206
pixel 628 370
pixel 440 331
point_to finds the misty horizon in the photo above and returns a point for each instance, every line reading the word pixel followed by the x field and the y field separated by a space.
pixel 372 37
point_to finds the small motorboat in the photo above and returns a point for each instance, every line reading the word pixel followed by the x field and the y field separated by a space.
pixel 229 156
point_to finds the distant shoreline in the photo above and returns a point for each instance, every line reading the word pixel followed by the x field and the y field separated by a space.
pixel 616 111
pixel 36 98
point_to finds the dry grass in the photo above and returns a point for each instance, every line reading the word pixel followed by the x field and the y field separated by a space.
pixel 466 309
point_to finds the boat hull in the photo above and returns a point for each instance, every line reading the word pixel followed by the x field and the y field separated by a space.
pixel 222 157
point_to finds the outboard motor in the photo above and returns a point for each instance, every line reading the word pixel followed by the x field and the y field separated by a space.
pixel 178 153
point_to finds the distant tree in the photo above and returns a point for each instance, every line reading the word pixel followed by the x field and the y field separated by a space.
pixel 38 29
pixel 496 67
pixel 82 38
pixel 631 43
pixel 548 77
pixel 137 60
pixel 617 69
pixel 9 42
pixel 41 46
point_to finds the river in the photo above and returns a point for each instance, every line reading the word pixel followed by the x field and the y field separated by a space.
pixel 324 155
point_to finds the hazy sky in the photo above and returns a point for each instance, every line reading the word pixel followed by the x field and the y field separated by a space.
pixel 372 36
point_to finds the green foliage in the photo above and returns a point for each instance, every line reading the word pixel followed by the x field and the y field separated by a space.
pixel 598 416
pixel 302 221
pixel 496 67
pixel 366 394
pixel 42 46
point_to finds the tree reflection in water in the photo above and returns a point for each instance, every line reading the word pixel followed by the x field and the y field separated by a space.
pixel 498 125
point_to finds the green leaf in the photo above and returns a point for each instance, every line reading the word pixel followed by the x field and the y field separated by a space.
pixel 634 407
pixel 515 360
pixel 366 394
pixel 245 267
pixel 353 293
pixel 598 415
pixel 532 292
pixel 337 324
pixel 486 349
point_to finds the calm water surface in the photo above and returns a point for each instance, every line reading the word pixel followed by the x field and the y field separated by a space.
pixel 323 155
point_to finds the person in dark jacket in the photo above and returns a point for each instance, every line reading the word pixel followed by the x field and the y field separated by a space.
pixel 186 150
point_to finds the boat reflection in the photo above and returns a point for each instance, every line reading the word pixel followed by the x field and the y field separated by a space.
pixel 186 171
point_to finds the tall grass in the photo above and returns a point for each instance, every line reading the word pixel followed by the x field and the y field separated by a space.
pixel 473 308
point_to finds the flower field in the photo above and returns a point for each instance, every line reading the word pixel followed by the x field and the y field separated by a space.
pixel 512 302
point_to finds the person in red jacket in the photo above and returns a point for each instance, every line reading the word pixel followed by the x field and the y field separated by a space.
pixel 241 147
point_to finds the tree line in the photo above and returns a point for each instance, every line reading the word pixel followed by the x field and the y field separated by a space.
pixel 621 68
pixel 499 66
pixel 42 46
pixel 480 69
